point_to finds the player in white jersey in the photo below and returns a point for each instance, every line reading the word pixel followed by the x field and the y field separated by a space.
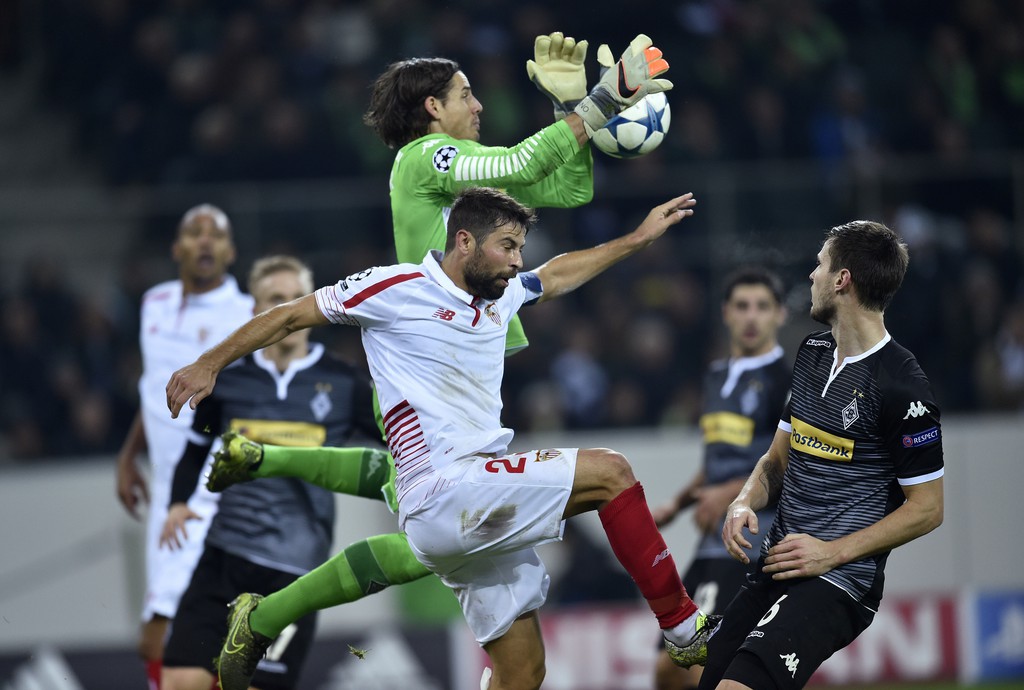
pixel 434 337
pixel 179 320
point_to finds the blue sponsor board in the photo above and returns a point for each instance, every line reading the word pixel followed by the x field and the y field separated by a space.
pixel 999 620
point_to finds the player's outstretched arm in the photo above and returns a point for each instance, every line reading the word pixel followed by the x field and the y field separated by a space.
pixel 195 381
pixel 566 272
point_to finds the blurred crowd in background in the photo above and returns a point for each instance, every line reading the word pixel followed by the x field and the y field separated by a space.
pixel 168 93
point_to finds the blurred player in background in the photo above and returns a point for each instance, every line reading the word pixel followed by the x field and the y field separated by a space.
pixel 179 320
pixel 743 398
pixel 856 467
pixel 265 534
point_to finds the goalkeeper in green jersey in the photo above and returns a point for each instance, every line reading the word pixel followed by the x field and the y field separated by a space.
pixel 425 108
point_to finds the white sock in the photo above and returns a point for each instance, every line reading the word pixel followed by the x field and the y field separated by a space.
pixel 682 634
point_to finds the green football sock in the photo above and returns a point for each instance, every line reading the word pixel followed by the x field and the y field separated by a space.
pixel 363 568
pixel 353 471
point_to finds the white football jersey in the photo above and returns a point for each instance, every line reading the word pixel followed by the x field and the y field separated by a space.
pixel 174 332
pixel 437 357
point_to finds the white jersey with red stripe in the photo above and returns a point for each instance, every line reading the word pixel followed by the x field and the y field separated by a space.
pixel 436 354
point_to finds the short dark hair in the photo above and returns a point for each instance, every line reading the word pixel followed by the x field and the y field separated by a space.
pixel 875 256
pixel 753 275
pixel 482 210
pixel 215 212
pixel 396 111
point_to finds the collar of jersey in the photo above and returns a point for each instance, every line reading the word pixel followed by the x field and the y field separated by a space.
pixel 741 364
pixel 220 293
pixel 837 367
pixel 432 265
pixel 316 350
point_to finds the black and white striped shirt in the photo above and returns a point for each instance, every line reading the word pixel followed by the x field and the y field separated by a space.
pixel 858 432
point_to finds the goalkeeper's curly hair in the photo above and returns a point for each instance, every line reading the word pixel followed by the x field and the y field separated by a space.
pixel 396 111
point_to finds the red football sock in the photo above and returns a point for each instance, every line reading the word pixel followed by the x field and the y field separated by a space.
pixel 641 550
pixel 153 673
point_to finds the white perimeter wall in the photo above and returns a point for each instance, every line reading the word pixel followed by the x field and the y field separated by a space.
pixel 71 559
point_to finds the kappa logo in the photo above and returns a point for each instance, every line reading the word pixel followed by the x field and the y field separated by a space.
pixel 443 158
pixel 427 145
pixel 660 557
pixel 791 662
pixel 916 409
pixel 818 343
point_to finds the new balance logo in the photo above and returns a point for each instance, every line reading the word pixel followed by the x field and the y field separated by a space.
pixel 791 662
pixel 916 409
pixel 660 557
pixel 444 314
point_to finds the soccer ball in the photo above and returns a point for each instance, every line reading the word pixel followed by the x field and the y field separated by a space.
pixel 637 130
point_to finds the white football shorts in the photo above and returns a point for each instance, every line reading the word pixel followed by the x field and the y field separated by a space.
pixel 478 535
pixel 168 572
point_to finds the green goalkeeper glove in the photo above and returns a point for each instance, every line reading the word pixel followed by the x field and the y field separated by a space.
pixel 557 70
pixel 623 83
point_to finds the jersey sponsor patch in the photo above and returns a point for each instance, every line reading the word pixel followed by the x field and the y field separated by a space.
pixel 281 433
pixel 922 438
pixel 727 427
pixel 444 157
pixel 813 441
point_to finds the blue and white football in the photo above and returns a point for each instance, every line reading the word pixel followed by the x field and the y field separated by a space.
pixel 637 130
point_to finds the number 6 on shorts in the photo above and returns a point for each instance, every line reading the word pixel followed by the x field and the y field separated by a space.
pixel 771 613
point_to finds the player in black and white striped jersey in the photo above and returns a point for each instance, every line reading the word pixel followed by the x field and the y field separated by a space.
pixel 743 397
pixel 856 466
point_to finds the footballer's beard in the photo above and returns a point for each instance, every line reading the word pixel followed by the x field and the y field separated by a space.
pixel 824 313
pixel 484 284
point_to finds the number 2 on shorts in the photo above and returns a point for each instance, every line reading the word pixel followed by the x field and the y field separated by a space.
pixel 496 465
pixel 771 613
